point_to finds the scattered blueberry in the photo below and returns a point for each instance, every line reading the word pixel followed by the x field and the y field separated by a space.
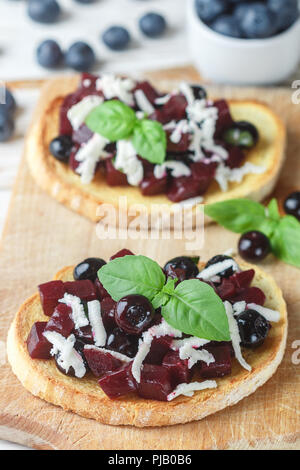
pixel 218 259
pixel 49 54
pixel 253 328
pixel 258 21
pixel 254 246
pixel 208 10
pixel 227 25
pixel 292 204
pixel 242 134
pixel 287 11
pixel 61 148
pixel 116 38
pixel 7 127
pixel 9 105
pixel 199 92
pixel 85 1
pixel 153 25
pixel 43 11
pixel 80 56
pixel 88 269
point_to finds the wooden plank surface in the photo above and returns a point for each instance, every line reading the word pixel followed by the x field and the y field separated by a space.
pixel 41 236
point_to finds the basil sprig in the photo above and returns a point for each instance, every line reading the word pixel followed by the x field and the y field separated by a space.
pixel 244 215
pixel 116 121
pixel 192 307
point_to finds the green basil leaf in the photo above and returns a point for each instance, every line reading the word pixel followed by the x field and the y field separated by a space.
pixel 150 141
pixel 159 300
pixel 195 309
pixel 241 215
pixel 285 240
pixel 112 119
pixel 273 210
pixel 132 275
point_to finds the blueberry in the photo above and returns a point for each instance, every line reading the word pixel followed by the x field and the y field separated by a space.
pixel 61 148
pixel 286 11
pixel 254 246
pixel 240 10
pixel 49 54
pixel 242 134
pixel 184 263
pixel 253 328
pixel 208 10
pixel 88 269
pixel 292 204
pixel 153 25
pixel 116 38
pixel 218 259
pixel 199 92
pixel 134 314
pixel 258 21
pixel 6 127
pixel 43 11
pixel 227 25
pixel 80 56
pixel 8 107
pixel 85 1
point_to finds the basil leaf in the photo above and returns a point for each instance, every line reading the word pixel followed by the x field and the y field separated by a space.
pixel 112 119
pixel 241 215
pixel 149 140
pixel 195 309
pixel 132 275
pixel 285 240
pixel 273 210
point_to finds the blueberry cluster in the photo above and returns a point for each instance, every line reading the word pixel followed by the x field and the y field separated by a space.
pixel 248 19
pixel 7 111
pixel 80 56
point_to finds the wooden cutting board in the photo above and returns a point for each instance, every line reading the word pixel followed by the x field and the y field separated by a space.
pixel 41 236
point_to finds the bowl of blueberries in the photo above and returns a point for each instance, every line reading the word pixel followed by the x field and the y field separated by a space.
pixel 244 42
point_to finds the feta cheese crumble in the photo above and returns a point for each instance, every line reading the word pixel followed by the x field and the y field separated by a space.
pixel 188 390
pixel 116 87
pixel 95 318
pixel 67 356
pixel 267 313
pixel 235 336
pixel 207 273
pixel 225 175
pixel 115 354
pixel 89 155
pixel 78 315
pixel 128 162
pixel 176 168
pixel 143 102
pixel 79 112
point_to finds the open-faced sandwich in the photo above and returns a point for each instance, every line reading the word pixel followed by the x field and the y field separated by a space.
pixel 129 343
pixel 96 138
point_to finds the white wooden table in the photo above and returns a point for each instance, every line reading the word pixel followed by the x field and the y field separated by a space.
pixel 19 37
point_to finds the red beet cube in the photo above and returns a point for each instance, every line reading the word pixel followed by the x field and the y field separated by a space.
pixel 114 177
pixel 226 289
pixel 82 135
pixel 150 186
pixel 148 90
pixel 204 174
pixel 61 320
pixel 119 382
pixel 156 383
pixel 88 81
pixel 38 346
pixel 236 156
pixel 182 188
pixel 85 289
pixel 243 279
pixel 160 116
pixel 85 333
pixel 50 293
pixel 224 117
pixel 251 295
pixel 121 254
pixel 178 368
pixel 181 146
pixel 175 108
pixel 159 348
pixel 222 364
pixel 108 306
pixel 101 292
pixel 101 362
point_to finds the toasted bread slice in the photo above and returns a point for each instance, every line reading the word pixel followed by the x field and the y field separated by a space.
pixel 85 397
pixel 64 185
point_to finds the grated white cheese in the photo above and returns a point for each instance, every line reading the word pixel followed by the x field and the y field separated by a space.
pixel 163 99
pixel 267 313
pixel 89 155
pixel 137 364
pixel 95 318
pixel 181 127
pixel 193 201
pixel 78 315
pixel 81 110
pixel 189 389
pixel 235 336
pixel 225 175
pixel 188 350
pixel 116 87
pixel 67 355
pixel 177 169
pixel 143 102
pixel 239 307
pixel 207 273
pixel 115 354
pixel 193 342
pixel 127 162
pixel 187 91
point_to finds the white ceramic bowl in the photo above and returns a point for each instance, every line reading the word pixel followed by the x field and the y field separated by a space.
pixel 229 60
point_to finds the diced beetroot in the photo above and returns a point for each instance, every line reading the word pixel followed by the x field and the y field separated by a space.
pixel 101 362
pixel 159 348
pixel 85 334
pixel 203 174
pixel 222 364
pixel 226 289
pixel 182 188
pixel 151 185
pixel 156 383
pixel 149 91
pixel 88 81
pixel 82 135
pixel 84 289
pixel 101 292
pixel 37 345
pixel 181 146
pixel 118 383
pixel 243 279
pixel 236 156
pixel 121 254
pixel 61 320
pixel 251 295
pixel 50 293
pixel 114 177
pixel 160 116
pixel 224 117
pixel 175 108
pixel 180 372
pixel 108 313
